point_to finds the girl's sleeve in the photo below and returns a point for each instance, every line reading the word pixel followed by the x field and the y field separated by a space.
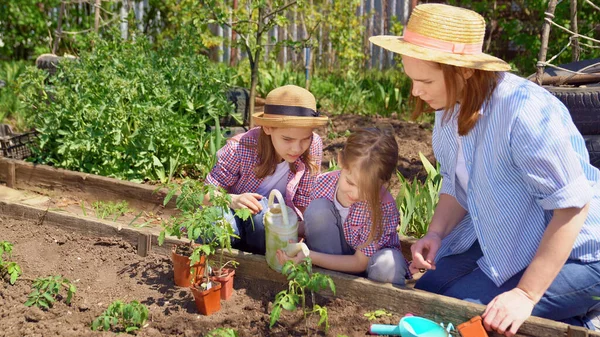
pixel 543 153
pixel 226 171
pixel 306 183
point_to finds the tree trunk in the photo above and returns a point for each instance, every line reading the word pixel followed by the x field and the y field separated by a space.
pixel 124 24
pixel 574 40
pixel 545 36
pixel 254 65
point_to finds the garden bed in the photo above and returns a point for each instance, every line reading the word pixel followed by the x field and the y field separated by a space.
pixel 101 258
pixel 105 269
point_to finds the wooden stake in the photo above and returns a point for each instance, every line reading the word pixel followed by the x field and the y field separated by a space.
pixel 11 176
pixel 97 15
pixel 144 245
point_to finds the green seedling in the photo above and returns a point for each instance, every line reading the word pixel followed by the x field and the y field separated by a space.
pixel 417 200
pixel 200 222
pixel 110 209
pixel 301 280
pixel 122 317
pixel 222 332
pixel 46 290
pixel 373 315
pixel 7 267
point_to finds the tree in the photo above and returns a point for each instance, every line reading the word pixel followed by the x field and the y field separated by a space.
pixel 251 21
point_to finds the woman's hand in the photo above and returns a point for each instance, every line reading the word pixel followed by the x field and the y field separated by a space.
pixel 424 251
pixel 246 200
pixel 507 311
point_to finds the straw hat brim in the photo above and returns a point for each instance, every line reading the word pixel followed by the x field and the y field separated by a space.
pixel 481 61
pixel 289 121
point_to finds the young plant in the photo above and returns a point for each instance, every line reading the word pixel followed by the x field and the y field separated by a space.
pixel 373 315
pixel 122 317
pixel 46 290
pixel 111 209
pixel 222 332
pixel 204 223
pixel 12 269
pixel 302 280
pixel 417 201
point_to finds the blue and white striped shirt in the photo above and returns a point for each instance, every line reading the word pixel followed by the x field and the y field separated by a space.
pixel 524 158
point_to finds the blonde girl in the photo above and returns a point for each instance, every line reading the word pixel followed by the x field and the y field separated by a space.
pixel 282 153
pixel 350 223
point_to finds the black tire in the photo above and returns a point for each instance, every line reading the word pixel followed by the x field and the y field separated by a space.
pixel 583 104
pixel 240 97
pixel 593 146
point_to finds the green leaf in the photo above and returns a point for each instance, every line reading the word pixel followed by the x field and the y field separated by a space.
pixel 274 315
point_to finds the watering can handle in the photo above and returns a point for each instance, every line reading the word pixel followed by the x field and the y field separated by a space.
pixel 276 193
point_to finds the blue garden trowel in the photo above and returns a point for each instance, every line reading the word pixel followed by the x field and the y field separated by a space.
pixel 410 326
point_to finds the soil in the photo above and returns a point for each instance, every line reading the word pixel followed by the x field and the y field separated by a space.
pixel 105 269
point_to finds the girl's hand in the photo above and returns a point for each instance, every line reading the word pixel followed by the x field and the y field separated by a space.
pixel 508 310
pixel 424 251
pixel 282 257
pixel 247 200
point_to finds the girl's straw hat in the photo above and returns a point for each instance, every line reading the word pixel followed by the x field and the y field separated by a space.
pixel 290 106
pixel 444 34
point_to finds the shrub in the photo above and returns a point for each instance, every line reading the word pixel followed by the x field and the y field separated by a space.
pixel 128 111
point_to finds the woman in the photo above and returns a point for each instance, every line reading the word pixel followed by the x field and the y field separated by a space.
pixel 517 226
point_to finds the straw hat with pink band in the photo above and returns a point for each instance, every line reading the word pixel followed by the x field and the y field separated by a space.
pixel 292 107
pixel 444 34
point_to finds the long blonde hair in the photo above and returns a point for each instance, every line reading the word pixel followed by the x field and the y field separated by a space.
pixel 374 152
pixel 477 89
pixel 267 158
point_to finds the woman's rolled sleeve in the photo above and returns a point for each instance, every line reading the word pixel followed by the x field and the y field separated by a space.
pixel 548 163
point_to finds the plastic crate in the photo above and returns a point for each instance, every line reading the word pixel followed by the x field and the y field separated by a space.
pixel 15 145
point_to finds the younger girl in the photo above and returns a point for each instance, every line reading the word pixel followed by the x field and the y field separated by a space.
pixel 283 153
pixel 350 223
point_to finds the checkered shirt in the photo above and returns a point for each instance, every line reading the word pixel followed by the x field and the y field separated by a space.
pixel 357 226
pixel 236 161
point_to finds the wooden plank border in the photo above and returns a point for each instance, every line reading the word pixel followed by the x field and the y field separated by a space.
pixel 41 178
pixel 400 300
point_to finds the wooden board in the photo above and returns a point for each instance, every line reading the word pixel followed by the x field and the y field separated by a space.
pixel 41 178
pixel 371 294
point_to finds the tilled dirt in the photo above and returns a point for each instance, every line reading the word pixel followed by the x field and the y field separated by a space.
pixel 106 269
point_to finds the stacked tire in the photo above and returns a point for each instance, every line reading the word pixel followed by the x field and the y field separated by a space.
pixel 583 103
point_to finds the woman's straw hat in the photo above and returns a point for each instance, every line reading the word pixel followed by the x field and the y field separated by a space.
pixel 290 106
pixel 444 34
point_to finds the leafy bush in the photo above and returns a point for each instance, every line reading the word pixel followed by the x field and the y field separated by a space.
pixel 12 269
pixel 128 111
pixel 46 290
pixel 10 106
pixel 119 316
pixel 416 200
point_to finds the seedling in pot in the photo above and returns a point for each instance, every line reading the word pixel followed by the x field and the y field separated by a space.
pixel 198 221
pixel 8 268
pixel 46 290
pixel 119 317
pixel 301 280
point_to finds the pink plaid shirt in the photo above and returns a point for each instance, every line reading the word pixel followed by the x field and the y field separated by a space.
pixel 357 226
pixel 234 170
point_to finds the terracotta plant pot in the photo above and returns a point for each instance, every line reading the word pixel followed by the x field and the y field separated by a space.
pixel 207 301
pixel 226 280
pixel 182 270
